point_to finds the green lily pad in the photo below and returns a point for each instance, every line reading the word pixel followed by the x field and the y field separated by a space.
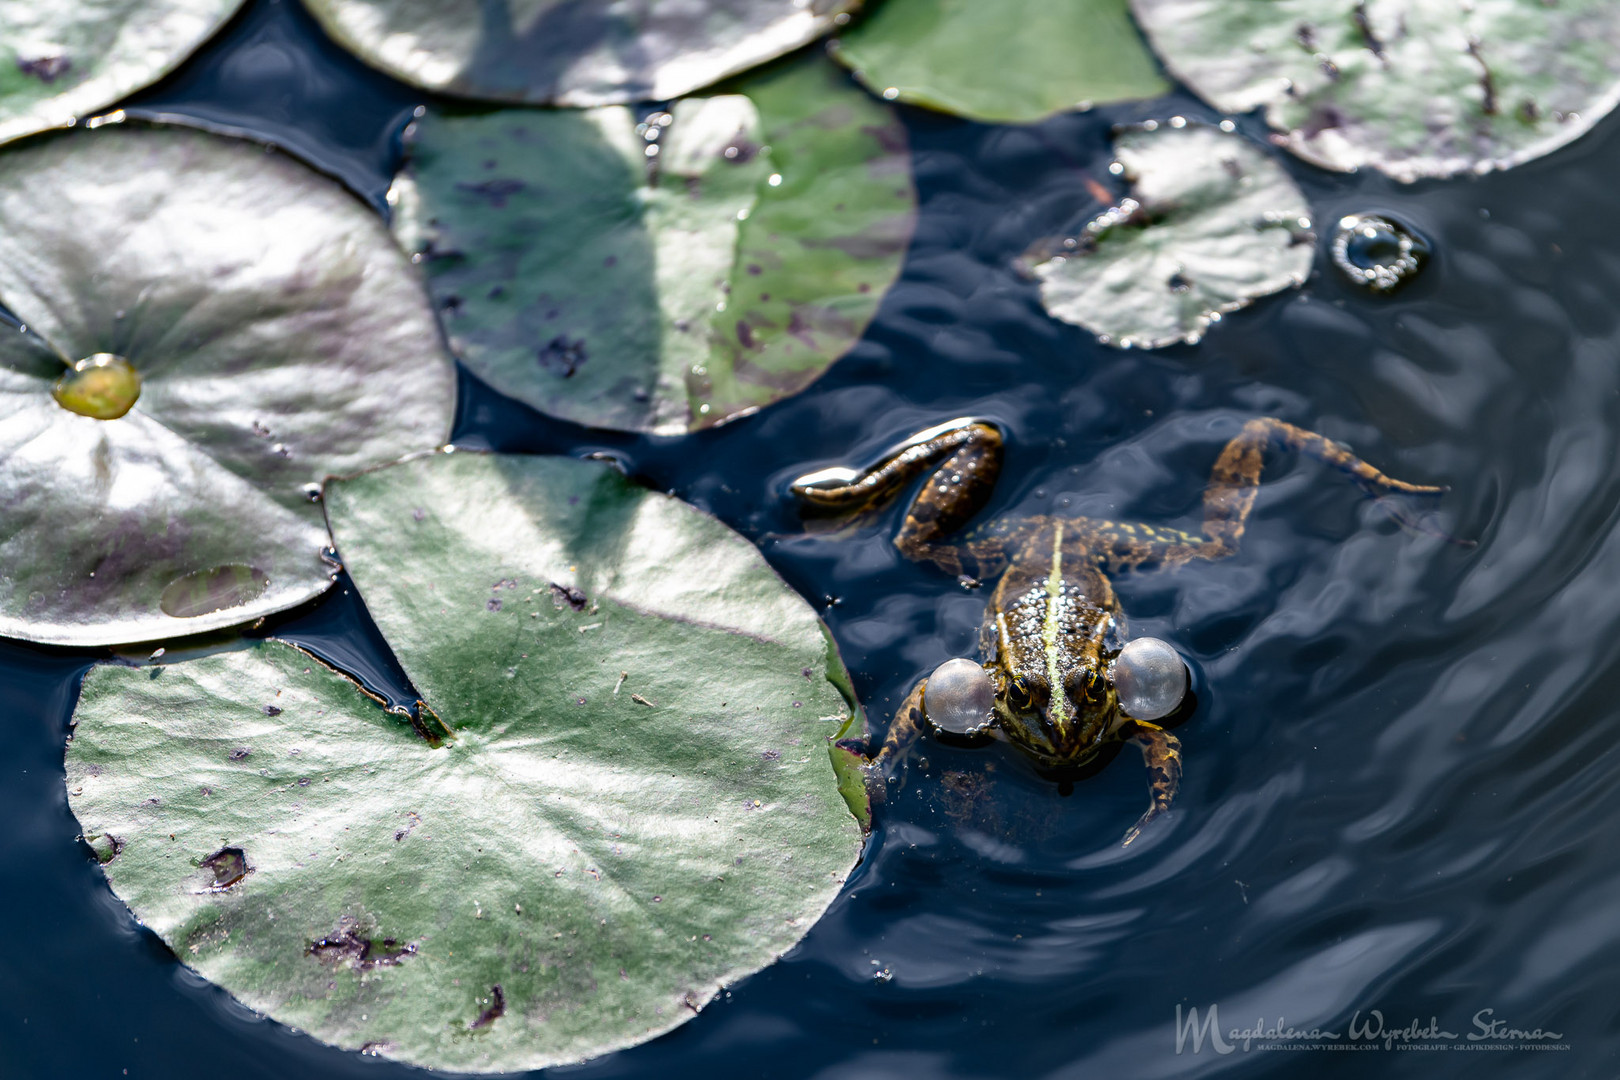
pixel 624 800
pixel 61 59
pixel 212 329
pixel 1012 61
pixel 1412 87
pixel 661 294
pixel 573 52
pixel 1211 223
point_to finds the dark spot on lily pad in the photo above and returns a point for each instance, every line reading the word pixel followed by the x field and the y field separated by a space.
pixel 494 1011
pixel 496 192
pixel 568 594
pixel 349 946
pixel 229 865
pixel 47 69
pixel 240 753
pixel 563 356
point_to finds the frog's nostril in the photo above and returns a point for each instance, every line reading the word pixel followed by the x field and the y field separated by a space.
pixel 958 697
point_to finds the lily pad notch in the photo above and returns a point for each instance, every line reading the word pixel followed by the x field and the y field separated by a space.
pixel 1211 223
pixel 667 273
pixel 173 403
pixel 635 806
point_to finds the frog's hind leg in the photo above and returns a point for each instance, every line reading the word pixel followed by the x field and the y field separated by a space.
pixel 964 457
pixel 1161 753
pixel 1236 476
pixel 1234 482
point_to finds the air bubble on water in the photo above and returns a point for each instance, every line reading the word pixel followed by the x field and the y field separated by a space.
pixel 1377 252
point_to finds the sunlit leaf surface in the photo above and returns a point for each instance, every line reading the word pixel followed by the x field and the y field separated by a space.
pixel 63 59
pixel 1412 87
pixel 1211 223
pixel 631 802
pixel 661 293
pixel 211 329
pixel 573 52
pixel 1009 61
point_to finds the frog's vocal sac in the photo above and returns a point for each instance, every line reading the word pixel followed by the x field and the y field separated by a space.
pixel 1053 630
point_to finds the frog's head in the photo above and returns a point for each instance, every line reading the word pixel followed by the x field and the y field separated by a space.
pixel 1146 680
pixel 1063 721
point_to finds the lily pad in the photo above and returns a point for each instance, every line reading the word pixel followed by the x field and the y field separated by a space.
pixel 1412 87
pixel 60 59
pixel 1012 61
pixel 1211 223
pixel 211 329
pixel 664 293
pixel 625 800
pixel 573 52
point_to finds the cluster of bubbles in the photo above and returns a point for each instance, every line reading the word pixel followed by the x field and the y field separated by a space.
pixel 1376 252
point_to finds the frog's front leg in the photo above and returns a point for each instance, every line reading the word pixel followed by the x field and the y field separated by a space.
pixel 1161 753
pixel 897 742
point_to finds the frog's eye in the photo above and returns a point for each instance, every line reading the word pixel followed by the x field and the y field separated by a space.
pixel 958 697
pixel 1150 678
pixel 1084 684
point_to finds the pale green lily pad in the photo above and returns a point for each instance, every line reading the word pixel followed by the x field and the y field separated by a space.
pixel 1412 87
pixel 573 52
pixel 1010 61
pixel 730 272
pixel 245 326
pixel 634 807
pixel 1211 223
pixel 64 59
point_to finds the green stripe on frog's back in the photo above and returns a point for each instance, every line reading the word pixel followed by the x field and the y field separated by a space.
pixel 1052 626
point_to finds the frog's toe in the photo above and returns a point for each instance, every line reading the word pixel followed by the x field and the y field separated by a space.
pixel 1136 830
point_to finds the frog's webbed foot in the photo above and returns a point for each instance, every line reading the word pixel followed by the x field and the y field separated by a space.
pixel 1161 753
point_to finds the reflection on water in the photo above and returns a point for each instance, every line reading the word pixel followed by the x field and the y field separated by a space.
pixel 1402 782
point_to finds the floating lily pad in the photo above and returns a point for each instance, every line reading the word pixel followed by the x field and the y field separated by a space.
pixel 1413 87
pixel 212 328
pixel 573 52
pixel 664 293
pixel 63 59
pixel 1011 61
pixel 626 803
pixel 1211 223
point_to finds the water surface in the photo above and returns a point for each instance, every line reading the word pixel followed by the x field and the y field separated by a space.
pixel 1402 785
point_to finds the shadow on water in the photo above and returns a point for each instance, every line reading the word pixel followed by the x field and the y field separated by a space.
pixel 1401 782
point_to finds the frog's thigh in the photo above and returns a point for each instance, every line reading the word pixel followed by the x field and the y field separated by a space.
pixel 1161 753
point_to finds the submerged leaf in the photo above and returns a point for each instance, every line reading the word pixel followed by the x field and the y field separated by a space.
pixel 63 59
pixel 635 805
pixel 211 329
pixel 573 52
pixel 667 275
pixel 1211 224
pixel 1011 61
pixel 1412 87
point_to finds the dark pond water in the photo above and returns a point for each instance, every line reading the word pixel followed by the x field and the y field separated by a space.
pixel 1402 786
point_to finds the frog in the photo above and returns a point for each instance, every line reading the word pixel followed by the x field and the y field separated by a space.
pixel 1057 676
